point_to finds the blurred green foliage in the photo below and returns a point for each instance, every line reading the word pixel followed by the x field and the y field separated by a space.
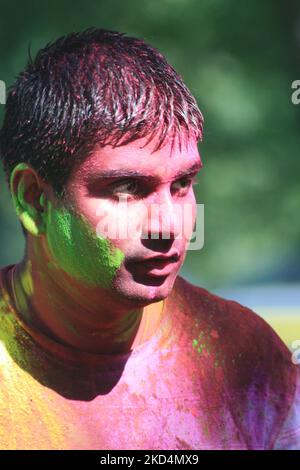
pixel 239 59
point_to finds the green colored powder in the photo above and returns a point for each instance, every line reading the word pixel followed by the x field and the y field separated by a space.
pixel 79 251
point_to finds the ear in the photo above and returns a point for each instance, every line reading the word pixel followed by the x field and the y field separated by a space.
pixel 28 198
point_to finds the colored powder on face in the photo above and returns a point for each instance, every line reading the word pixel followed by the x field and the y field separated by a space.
pixel 79 251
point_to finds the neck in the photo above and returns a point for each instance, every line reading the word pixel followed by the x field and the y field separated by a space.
pixel 88 319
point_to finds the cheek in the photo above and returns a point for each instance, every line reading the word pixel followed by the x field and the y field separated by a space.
pixel 76 248
pixel 119 222
pixel 188 214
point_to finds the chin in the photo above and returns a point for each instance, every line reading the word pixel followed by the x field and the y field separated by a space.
pixel 143 290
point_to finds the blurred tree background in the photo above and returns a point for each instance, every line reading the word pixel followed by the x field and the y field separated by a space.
pixel 239 59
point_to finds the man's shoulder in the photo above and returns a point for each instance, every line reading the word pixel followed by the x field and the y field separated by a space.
pixel 238 327
pixel 249 361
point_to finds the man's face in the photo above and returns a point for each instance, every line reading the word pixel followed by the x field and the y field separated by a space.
pixel 127 205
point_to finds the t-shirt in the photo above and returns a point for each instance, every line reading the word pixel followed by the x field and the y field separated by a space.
pixel 214 375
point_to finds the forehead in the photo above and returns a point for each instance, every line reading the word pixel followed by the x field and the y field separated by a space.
pixel 138 157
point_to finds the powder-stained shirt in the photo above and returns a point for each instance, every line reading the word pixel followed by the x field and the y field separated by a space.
pixel 214 375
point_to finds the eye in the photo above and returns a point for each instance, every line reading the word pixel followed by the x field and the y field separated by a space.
pixel 184 184
pixel 126 186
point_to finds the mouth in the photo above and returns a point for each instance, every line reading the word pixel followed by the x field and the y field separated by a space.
pixel 159 266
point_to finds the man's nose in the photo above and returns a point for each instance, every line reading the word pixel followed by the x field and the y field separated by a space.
pixel 164 217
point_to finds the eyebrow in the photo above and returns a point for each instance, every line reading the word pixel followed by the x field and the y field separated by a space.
pixel 123 173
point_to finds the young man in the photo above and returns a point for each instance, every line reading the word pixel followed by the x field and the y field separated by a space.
pixel 102 348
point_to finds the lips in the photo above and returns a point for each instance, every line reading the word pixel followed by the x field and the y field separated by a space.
pixel 171 257
pixel 158 265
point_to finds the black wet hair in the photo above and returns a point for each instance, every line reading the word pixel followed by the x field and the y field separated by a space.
pixel 91 87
